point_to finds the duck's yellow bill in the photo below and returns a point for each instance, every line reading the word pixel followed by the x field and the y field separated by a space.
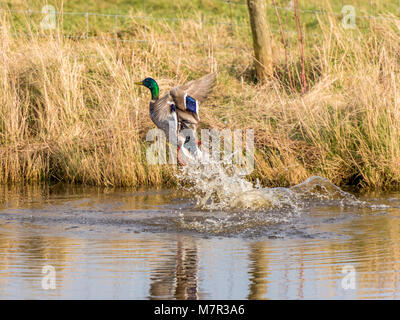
pixel 139 83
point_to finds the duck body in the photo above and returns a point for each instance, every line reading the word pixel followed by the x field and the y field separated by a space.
pixel 177 112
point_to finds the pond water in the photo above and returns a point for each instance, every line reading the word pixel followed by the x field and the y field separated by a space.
pixel 312 241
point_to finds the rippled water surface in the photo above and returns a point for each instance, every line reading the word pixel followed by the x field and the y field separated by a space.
pixel 255 243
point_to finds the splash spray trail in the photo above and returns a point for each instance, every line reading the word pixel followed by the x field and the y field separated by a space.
pixel 218 185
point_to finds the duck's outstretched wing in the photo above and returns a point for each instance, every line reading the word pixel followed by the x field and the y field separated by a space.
pixel 188 96
pixel 199 89
pixel 161 109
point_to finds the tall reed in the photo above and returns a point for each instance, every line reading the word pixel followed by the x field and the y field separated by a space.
pixel 69 110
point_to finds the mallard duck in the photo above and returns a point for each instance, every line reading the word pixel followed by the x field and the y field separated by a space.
pixel 179 108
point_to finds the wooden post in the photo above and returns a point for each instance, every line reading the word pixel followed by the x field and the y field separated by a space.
pixel 261 38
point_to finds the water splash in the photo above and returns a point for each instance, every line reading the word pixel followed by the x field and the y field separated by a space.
pixel 321 190
pixel 221 186
pixel 229 204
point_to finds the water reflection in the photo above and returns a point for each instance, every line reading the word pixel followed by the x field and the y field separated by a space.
pixel 177 277
pixel 258 270
pixel 374 248
pixel 106 260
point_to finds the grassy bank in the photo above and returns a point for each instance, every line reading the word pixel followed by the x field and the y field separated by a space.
pixel 69 110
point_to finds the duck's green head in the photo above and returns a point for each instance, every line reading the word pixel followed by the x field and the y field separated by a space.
pixel 152 85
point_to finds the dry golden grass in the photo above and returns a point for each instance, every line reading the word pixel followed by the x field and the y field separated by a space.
pixel 69 110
